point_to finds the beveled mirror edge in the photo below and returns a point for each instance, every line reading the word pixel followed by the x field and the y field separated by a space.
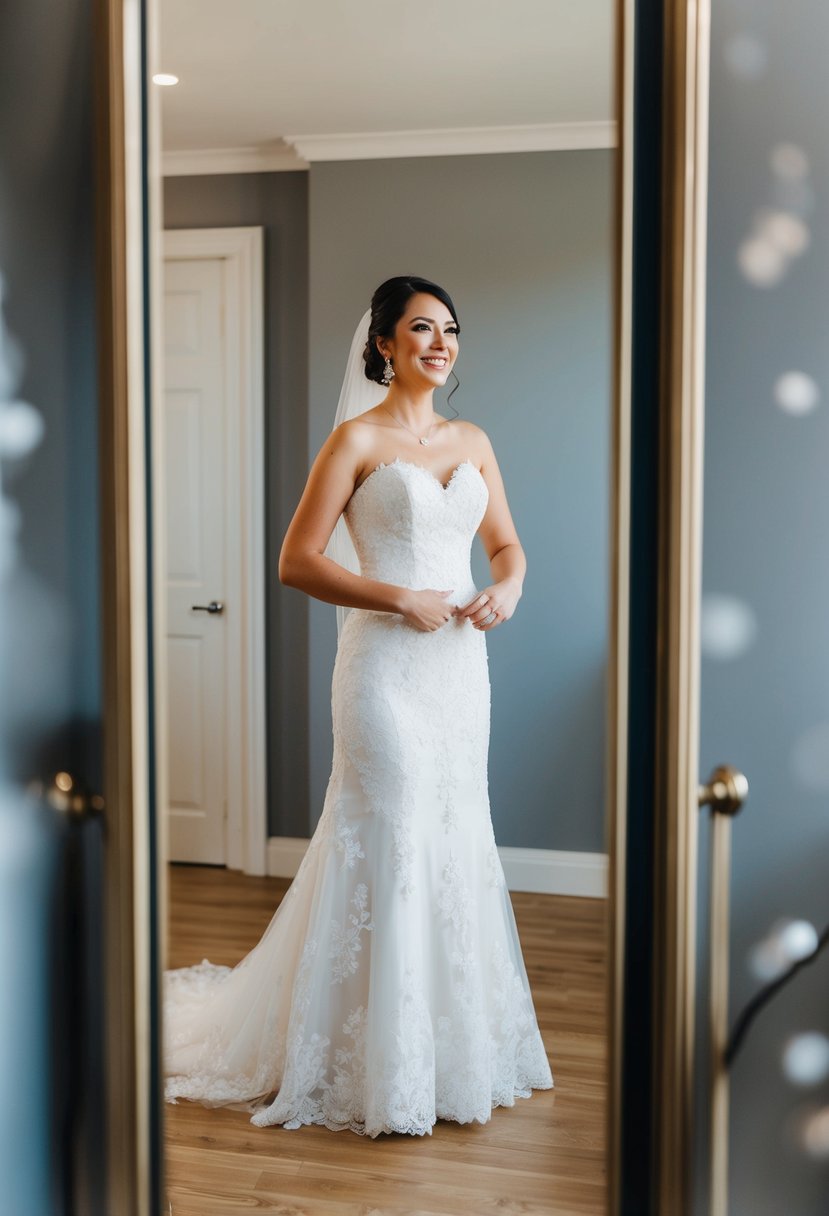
pixel 618 632
pixel 157 510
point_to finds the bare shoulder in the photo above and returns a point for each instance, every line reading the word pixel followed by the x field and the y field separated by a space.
pixel 357 437
pixel 475 439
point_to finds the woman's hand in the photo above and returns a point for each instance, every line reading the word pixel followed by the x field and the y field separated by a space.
pixel 426 610
pixel 499 598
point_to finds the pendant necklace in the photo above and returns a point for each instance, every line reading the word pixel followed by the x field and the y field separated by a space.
pixel 424 440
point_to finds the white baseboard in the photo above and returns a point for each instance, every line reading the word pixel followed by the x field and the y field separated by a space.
pixel 555 871
pixel 284 855
pixel 543 871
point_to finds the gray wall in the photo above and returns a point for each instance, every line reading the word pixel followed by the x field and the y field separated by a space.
pixel 522 244
pixel 278 202
pixel 766 510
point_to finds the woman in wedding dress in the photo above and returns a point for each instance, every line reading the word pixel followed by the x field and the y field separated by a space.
pixel 389 989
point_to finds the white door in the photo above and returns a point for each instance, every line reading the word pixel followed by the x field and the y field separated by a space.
pixel 194 409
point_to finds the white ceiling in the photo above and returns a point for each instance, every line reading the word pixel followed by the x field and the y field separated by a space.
pixel 255 72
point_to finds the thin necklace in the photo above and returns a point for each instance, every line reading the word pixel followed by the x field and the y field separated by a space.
pixel 424 440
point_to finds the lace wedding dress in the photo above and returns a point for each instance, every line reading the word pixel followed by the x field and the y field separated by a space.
pixel 389 989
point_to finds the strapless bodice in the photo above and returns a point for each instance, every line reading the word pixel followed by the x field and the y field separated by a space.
pixel 410 529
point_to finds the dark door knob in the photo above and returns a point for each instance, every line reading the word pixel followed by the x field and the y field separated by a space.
pixel 65 793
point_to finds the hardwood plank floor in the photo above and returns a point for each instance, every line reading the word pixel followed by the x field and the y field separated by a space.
pixel 545 1156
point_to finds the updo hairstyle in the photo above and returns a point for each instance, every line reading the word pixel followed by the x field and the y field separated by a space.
pixel 387 307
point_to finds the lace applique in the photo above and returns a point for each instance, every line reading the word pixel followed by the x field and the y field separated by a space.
pixel 345 1100
pixel 494 866
pixel 347 843
pixel 345 939
pixel 449 818
pixel 306 1058
pixel 213 1074
pixel 454 900
pixel 456 906
pixel 521 1064
pixel 406 1069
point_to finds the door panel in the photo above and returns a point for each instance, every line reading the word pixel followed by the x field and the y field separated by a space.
pixel 194 443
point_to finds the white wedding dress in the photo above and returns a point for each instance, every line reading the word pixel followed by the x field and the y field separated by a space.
pixel 389 989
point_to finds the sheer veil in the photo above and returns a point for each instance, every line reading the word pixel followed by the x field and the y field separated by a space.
pixel 357 395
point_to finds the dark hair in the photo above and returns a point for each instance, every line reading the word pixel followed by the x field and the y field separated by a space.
pixel 387 307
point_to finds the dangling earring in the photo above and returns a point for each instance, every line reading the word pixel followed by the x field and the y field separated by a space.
pixel 388 372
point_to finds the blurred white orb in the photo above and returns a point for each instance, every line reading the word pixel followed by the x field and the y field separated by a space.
pixel 789 160
pixel 806 1058
pixel 787 232
pixel 762 262
pixel 798 938
pixel 728 626
pixel 766 961
pixel 796 393
pixel 21 429
pixel 745 55
pixel 809 759
pixel 814 1134
pixel 787 941
pixel 165 78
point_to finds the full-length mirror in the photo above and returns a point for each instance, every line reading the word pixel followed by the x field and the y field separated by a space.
pixel 382 491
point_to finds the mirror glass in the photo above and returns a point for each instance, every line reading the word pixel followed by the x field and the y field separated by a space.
pixel 387 880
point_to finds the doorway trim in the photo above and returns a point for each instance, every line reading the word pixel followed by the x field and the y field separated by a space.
pixel 242 254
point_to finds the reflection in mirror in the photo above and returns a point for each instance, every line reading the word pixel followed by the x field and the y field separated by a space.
pixel 386 387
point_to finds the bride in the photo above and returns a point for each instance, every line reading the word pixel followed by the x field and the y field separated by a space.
pixel 389 989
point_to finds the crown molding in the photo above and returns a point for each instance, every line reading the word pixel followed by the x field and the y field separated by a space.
pixel 299 151
pixel 272 158
pixel 455 141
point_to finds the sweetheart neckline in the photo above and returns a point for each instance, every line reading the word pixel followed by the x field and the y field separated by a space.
pixel 415 465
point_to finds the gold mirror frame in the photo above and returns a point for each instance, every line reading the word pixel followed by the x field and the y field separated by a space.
pixel 682 401
pixel 132 1149
pixel 128 145
pixel 682 163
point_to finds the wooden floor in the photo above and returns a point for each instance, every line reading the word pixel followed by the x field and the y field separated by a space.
pixel 545 1156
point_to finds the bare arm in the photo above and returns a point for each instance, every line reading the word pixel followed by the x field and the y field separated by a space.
pixel 507 561
pixel 302 563
pixel 497 531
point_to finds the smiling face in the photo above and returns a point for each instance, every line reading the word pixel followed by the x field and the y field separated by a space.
pixel 425 344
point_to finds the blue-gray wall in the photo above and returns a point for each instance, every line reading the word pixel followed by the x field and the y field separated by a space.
pixel 522 243
pixel 766 516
